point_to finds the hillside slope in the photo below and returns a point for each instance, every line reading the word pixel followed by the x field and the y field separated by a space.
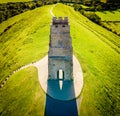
pixel 21 39
pixel 24 39
pixel 98 51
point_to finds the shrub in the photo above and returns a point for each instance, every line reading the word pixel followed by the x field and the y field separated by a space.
pixel 31 6
pixel 39 3
pixel 90 9
pixel 77 7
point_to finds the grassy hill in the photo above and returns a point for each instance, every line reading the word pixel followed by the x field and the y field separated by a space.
pixel 21 39
pixel 24 39
pixel 98 51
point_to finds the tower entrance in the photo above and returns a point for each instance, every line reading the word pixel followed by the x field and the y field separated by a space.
pixel 60 74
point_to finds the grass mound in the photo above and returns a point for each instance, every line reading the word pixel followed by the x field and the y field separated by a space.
pixel 26 40
pixel 98 52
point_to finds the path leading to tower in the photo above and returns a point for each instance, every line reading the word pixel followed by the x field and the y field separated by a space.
pixel 70 89
pixel 51 10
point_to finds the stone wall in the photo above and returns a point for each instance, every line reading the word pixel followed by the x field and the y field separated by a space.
pixel 60 55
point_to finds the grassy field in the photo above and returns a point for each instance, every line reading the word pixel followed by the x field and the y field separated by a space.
pixel 112 26
pixel 109 15
pixel 94 47
pixel 110 20
pixel 22 95
pixel 5 1
pixel 24 39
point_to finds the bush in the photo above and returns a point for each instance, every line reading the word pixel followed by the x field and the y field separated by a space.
pixel 31 6
pixel 39 3
pixel 82 12
pixel 90 9
pixel 77 7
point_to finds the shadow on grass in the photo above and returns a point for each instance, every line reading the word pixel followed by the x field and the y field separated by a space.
pixel 59 104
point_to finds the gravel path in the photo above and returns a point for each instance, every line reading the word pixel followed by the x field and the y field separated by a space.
pixel 51 10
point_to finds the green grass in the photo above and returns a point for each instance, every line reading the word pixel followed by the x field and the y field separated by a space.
pixel 5 1
pixel 98 52
pixel 96 48
pixel 21 44
pixel 113 26
pixel 109 15
pixel 109 20
pixel 22 95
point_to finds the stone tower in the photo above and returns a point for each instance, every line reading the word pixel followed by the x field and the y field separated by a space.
pixel 60 55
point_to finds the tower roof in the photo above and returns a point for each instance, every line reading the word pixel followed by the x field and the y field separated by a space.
pixel 60 21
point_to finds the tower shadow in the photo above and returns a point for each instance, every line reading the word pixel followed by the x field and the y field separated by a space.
pixel 61 102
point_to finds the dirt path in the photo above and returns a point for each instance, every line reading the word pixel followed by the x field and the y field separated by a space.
pixel 51 10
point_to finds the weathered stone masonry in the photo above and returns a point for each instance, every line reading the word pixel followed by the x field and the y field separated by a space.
pixel 60 55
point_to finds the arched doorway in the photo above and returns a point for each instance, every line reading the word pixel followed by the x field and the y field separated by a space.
pixel 60 74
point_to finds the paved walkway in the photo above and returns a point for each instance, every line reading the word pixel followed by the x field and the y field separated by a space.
pixel 69 89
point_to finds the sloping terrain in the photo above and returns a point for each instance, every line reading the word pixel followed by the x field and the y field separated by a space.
pixel 24 39
pixel 98 51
